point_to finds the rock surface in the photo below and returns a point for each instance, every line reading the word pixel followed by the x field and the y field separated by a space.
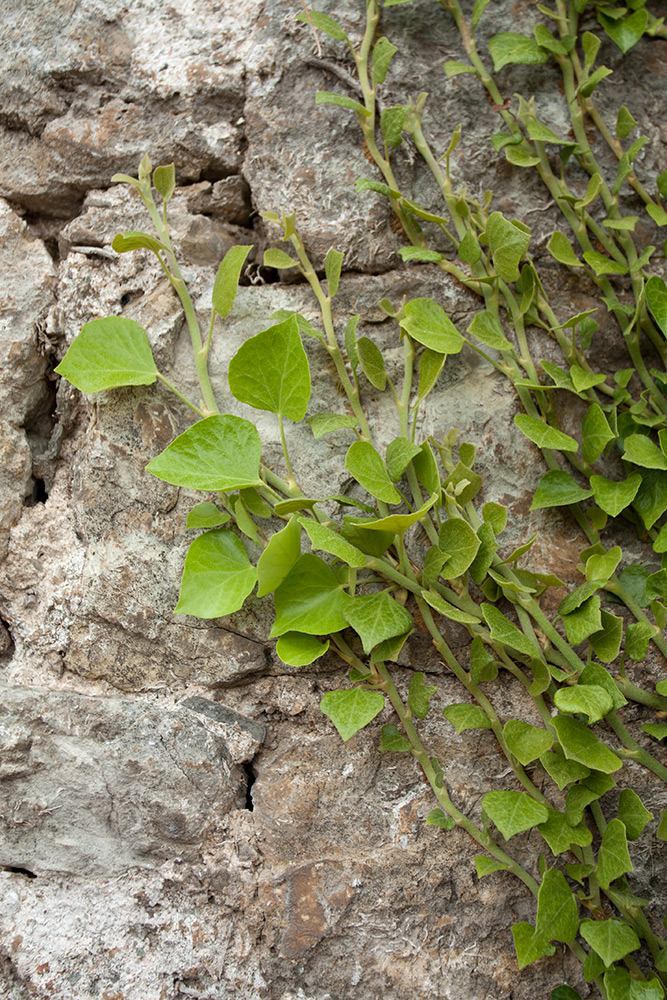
pixel 178 818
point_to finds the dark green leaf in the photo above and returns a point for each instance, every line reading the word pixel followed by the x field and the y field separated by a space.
pixel 596 433
pixel 626 31
pixel 559 835
pixel 392 123
pixel 277 559
pixel 482 664
pixel 637 638
pixel 382 56
pixel 393 741
pixel 438 818
pixel 562 770
pixel 508 243
pixel 557 914
pixel 529 945
pixel 458 540
pixel 656 299
pixel 503 630
pixel 651 499
pixel 431 364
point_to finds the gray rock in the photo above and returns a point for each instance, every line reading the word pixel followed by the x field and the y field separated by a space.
pixel 95 786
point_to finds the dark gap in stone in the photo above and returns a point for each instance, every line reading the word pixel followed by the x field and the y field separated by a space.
pixel 7 645
pixel 213 174
pixel 39 494
pixel 132 296
pixel 16 870
pixel 250 775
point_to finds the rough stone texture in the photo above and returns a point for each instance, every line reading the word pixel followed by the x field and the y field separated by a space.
pixel 138 740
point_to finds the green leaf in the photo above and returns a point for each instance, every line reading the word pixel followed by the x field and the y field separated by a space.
pixel 477 11
pixel 303 325
pixel 503 630
pixel 658 730
pixel 613 497
pixel 438 818
pixel 393 741
pixel 546 40
pixel 591 46
pixel 620 986
pixel 581 745
pixel 559 835
pixel 365 465
pixel 557 913
pixel 590 700
pixel 279 556
pixel 419 695
pixel 592 191
pixel 133 240
pixel 217 578
pixel 464 716
pixel 469 249
pixel 227 279
pixel 375 617
pixel 108 353
pixel 510 47
pixel 564 992
pixel 562 770
pixel 485 327
pixel 603 265
pixel 508 243
pixel 543 435
pixel 397 524
pixel 529 945
pixel 431 364
pixel 372 363
pixel 624 123
pixel 309 600
pixel 656 585
pixel 448 610
pixel 582 379
pixel 496 514
pixel 221 452
pixel 453 68
pixel 164 179
pixel 640 450
pixel 382 56
pixel 389 649
pixel 606 643
pixel 373 542
pixel 633 579
pixel 206 515
pixel 656 299
pixel 278 259
pixel 561 250
pixel 637 638
pixel 392 123
pixel 458 540
pixel 513 812
pixel 651 499
pixel 596 433
pixel 325 540
pixel 482 664
pixel 526 742
pixel 332 268
pixel 428 323
pixel 326 423
pixel 611 939
pixel 661 832
pixel 626 31
pixel 270 372
pixel 586 88
pixel 633 814
pixel 426 469
pixel 485 554
pixel 557 489
pixel 323 23
pixel 520 157
pixel 326 97
pixel 351 710
pixel 577 597
pixel 298 650
pixel 486 866
pixel 584 621
pixel 462 483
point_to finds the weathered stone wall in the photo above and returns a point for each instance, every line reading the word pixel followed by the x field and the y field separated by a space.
pixel 177 818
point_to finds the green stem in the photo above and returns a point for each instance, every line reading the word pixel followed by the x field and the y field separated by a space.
pixel 172 388
pixel 634 751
